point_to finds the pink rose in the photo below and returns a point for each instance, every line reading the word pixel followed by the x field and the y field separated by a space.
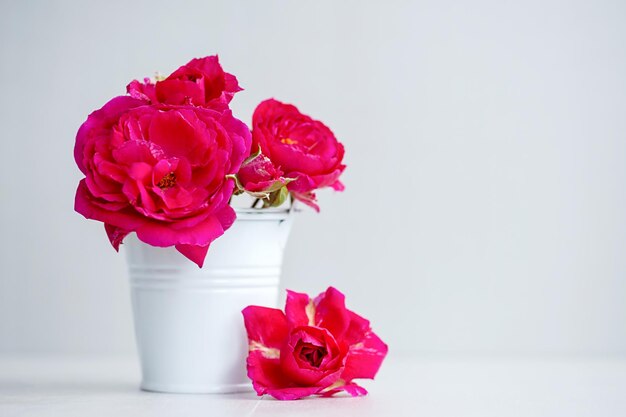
pixel 160 171
pixel 201 82
pixel 303 148
pixel 317 347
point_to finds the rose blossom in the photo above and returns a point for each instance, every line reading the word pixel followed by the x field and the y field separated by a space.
pixel 160 171
pixel 303 148
pixel 201 82
pixel 315 347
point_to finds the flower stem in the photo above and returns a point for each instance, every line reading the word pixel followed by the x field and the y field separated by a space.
pixel 256 201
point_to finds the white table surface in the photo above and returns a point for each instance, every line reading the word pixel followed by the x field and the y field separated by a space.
pixel 405 386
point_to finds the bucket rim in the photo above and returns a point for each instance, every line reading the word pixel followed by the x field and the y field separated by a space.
pixel 271 213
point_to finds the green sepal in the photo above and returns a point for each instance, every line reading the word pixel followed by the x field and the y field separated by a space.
pixel 276 198
pixel 252 157
pixel 238 188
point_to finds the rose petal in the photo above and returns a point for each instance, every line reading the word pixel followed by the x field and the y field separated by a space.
pixel 84 204
pixel 116 235
pixel 302 183
pixel 194 253
pixel 105 116
pixel 338 186
pixel 178 134
pixel 357 329
pixel 307 198
pixel 292 393
pixel 226 216
pixel 267 328
pixel 267 378
pixel 299 309
pixel 180 92
pixel 265 373
pixel 241 138
pixel 330 179
pixel 364 358
pixel 331 313
pixel 163 235
pixel 142 91
pixel 351 388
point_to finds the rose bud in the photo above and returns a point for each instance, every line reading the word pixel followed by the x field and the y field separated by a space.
pixel 261 179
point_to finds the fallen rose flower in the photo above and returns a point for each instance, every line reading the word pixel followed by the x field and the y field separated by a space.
pixel 201 82
pixel 316 347
pixel 160 171
pixel 303 148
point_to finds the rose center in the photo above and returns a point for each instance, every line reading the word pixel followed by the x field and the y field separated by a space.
pixel 168 181
pixel 312 354
pixel 289 141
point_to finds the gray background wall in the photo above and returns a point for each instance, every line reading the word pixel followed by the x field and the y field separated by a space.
pixel 485 200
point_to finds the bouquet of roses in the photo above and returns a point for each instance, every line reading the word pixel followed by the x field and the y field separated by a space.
pixel 164 160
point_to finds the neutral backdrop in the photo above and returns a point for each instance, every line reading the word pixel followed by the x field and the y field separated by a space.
pixel 485 201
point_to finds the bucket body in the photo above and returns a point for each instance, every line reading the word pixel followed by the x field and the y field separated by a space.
pixel 188 323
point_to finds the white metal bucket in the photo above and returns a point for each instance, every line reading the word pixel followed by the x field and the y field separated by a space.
pixel 188 322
